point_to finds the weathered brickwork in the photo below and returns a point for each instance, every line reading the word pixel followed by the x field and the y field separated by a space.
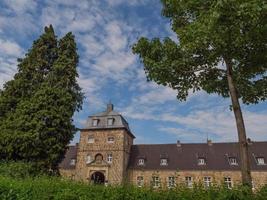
pixel 114 171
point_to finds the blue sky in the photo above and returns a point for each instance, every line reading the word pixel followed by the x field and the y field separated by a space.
pixel 105 30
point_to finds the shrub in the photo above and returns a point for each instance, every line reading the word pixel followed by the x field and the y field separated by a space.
pixel 19 169
pixel 56 188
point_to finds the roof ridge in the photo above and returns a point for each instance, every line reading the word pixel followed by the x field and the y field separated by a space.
pixel 198 143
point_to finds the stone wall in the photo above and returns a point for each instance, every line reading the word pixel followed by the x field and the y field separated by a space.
pixel 68 173
pixel 217 177
pixel 114 172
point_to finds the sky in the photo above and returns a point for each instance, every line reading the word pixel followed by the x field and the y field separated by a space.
pixel 105 31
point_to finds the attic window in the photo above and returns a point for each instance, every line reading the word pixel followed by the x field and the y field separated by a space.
pixel 141 162
pixel 91 139
pixel 163 162
pixel 201 161
pixel 110 121
pixel 111 139
pixel 72 161
pixel 95 122
pixel 232 161
pixel 260 161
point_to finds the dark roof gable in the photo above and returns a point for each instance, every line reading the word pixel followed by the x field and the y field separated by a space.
pixel 119 121
pixel 185 156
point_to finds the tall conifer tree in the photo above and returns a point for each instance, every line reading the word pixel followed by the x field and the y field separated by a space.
pixel 41 126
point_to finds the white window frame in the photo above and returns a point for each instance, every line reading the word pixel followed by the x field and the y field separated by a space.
pixel 171 182
pixel 73 162
pixel 109 158
pixel 140 181
pixel 201 161
pixel 233 161
pixel 141 162
pixel 88 159
pixel 111 139
pixel 228 182
pixel 155 181
pixel 110 121
pixel 95 122
pixel 163 161
pixel 253 185
pixel 189 181
pixel 207 181
pixel 260 161
pixel 91 139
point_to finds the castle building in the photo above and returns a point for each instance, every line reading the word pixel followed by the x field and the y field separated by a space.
pixel 106 154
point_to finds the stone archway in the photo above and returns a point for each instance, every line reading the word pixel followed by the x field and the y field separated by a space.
pixel 98 178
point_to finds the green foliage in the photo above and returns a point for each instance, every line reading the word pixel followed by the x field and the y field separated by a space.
pixel 209 33
pixel 37 106
pixel 19 170
pixel 44 188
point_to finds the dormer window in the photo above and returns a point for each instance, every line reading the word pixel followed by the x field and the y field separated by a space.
pixel 111 139
pixel 91 139
pixel 110 121
pixel 233 161
pixel 95 122
pixel 141 162
pixel 201 161
pixel 163 162
pixel 73 162
pixel 260 161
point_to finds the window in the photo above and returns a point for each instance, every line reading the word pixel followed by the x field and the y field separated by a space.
pixel 91 139
pixel 163 162
pixel 141 161
pixel 98 158
pixel 201 161
pixel 189 181
pixel 233 161
pixel 171 181
pixel 155 182
pixel 228 182
pixel 253 185
pixel 109 158
pixel 140 181
pixel 88 159
pixel 95 122
pixel 207 181
pixel 260 161
pixel 72 162
pixel 110 121
pixel 111 139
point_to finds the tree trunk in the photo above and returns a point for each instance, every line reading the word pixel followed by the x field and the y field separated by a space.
pixel 243 145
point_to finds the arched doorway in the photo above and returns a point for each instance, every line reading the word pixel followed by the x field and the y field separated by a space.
pixel 98 178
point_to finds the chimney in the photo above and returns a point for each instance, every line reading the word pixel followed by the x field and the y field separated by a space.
pixel 109 107
pixel 179 143
pixel 209 142
pixel 249 141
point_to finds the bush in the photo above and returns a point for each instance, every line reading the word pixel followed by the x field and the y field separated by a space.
pixel 19 169
pixel 56 188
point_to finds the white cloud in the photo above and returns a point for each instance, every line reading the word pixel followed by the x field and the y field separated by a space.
pixel 21 6
pixel 9 48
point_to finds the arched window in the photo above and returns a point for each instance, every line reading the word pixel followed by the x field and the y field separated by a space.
pixel 98 158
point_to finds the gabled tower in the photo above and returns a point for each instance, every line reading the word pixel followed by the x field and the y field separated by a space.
pixel 104 148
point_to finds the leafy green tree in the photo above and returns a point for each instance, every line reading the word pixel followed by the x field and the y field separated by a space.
pixel 40 127
pixel 221 48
